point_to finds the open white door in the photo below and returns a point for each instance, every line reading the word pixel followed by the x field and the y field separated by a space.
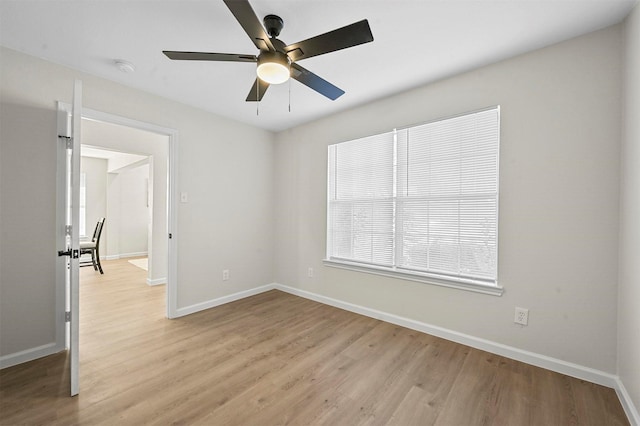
pixel 69 136
pixel 74 276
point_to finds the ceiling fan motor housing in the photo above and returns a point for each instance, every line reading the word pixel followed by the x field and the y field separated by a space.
pixel 278 57
pixel 273 24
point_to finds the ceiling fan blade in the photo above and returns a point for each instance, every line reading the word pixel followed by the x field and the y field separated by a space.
pixel 316 83
pixel 257 91
pixel 247 18
pixel 205 56
pixel 342 38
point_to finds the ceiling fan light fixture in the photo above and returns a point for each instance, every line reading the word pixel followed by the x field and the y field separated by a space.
pixel 274 67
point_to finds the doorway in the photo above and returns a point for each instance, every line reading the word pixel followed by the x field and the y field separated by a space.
pixel 166 229
pixel 67 206
pixel 129 189
pixel 159 144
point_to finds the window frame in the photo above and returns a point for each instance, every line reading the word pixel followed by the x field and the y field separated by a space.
pixel 491 287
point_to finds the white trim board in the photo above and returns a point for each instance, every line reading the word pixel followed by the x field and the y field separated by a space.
pixel 187 310
pixel 627 403
pixel 156 281
pixel 123 256
pixel 29 355
pixel 532 358
pixel 539 360
pixel 549 363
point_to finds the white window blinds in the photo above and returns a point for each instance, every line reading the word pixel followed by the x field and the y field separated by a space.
pixel 361 200
pixel 447 202
pixel 422 200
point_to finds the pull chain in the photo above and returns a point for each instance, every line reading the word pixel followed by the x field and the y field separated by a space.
pixel 257 97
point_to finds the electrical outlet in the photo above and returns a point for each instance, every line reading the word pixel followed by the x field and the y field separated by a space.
pixel 522 316
pixel 310 272
pixel 225 275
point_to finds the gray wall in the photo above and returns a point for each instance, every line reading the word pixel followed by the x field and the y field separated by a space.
pixel 121 198
pixel 95 170
pixel 27 224
pixel 558 231
pixel 224 226
pixel 629 290
pixel 128 190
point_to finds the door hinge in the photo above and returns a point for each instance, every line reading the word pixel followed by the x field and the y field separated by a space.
pixel 67 316
pixel 68 141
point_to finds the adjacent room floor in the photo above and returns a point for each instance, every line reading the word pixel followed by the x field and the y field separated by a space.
pixel 274 359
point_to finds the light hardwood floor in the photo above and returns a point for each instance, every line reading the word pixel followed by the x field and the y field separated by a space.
pixel 277 359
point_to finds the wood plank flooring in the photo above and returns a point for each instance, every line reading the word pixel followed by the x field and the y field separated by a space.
pixel 275 359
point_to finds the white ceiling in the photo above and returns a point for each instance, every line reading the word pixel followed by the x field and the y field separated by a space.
pixel 121 159
pixel 101 140
pixel 416 42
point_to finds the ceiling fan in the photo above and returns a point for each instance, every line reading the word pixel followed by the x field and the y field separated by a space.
pixel 277 62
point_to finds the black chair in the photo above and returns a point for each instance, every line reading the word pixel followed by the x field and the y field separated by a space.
pixel 93 247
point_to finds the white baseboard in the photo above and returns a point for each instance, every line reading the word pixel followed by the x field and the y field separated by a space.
pixel 124 255
pixel 156 281
pixel 180 312
pixel 532 358
pixel 28 355
pixel 553 364
pixel 627 404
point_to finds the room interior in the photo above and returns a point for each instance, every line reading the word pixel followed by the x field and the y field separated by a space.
pixel 102 190
pixel 125 153
pixel 569 233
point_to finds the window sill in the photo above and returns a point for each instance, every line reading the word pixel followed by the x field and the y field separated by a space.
pixel 461 285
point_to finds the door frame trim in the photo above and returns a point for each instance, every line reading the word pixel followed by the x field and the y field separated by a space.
pixel 172 210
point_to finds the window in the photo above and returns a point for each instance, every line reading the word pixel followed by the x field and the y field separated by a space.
pixel 420 203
